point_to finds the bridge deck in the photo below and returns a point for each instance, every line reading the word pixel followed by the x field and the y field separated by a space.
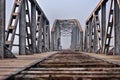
pixel 12 66
pixel 115 59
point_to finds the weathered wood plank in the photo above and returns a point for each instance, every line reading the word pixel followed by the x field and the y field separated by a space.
pixel 72 72
pixel 9 67
pixel 69 76
pixel 74 69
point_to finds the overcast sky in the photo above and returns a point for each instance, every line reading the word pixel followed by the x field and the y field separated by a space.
pixel 62 9
pixel 68 9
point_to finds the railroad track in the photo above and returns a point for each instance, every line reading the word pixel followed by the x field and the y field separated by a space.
pixel 70 66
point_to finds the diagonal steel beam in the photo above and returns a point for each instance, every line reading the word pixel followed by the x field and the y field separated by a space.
pixel 118 3
pixel 38 8
pixel 96 9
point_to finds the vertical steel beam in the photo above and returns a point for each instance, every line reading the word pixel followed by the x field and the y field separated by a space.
pixel 48 34
pixel 90 35
pixel 81 41
pixel 22 30
pixel 44 35
pixel 47 38
pixel 95 41
pixel 58 36
pixel 2 27
pixel 86 38
pixel 40 33
pixel 74 38
pixel 117 27
pixel 33 26
pixel 78 40
pixel 103 21
pixel 55 39
pixel 52 41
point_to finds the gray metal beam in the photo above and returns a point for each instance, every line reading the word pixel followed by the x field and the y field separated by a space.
pixel 117 27
pixel 95 41
pixel 90 35
pixel 103 21
pixel 96 9
pixel 40 34
pixel 49 37
pixel 44 35
pixel 86 39
pixel 39 9
pixel 33 26
pixel 52 41
pixel 22 30
pixel 2 27
pixel 81 41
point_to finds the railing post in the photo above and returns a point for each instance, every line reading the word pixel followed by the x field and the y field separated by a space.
pixel 22 30
pixel 2 27
pixel 33 26
pixel 117 27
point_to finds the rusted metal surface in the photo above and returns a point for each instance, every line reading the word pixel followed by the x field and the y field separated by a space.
pixel 68 65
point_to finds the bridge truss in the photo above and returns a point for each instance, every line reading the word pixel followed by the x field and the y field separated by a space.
pixel 66 28
pixel 102 33
pixel 33 29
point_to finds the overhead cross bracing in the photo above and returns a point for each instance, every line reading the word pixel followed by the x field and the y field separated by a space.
pixel 68 27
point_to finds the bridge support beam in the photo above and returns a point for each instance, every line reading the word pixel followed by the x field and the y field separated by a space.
pixel 22 30
pixel 81 41
pixel 47 38
pixel 33 26
pixel 103 21
pixel 48 33
pixel 67 28
pixel 39 45
pixel 44 35
pixel 90 35
pixel 2 27
pixel 117 27
pixel 74 38
pixel 95 41
pixel 86 39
